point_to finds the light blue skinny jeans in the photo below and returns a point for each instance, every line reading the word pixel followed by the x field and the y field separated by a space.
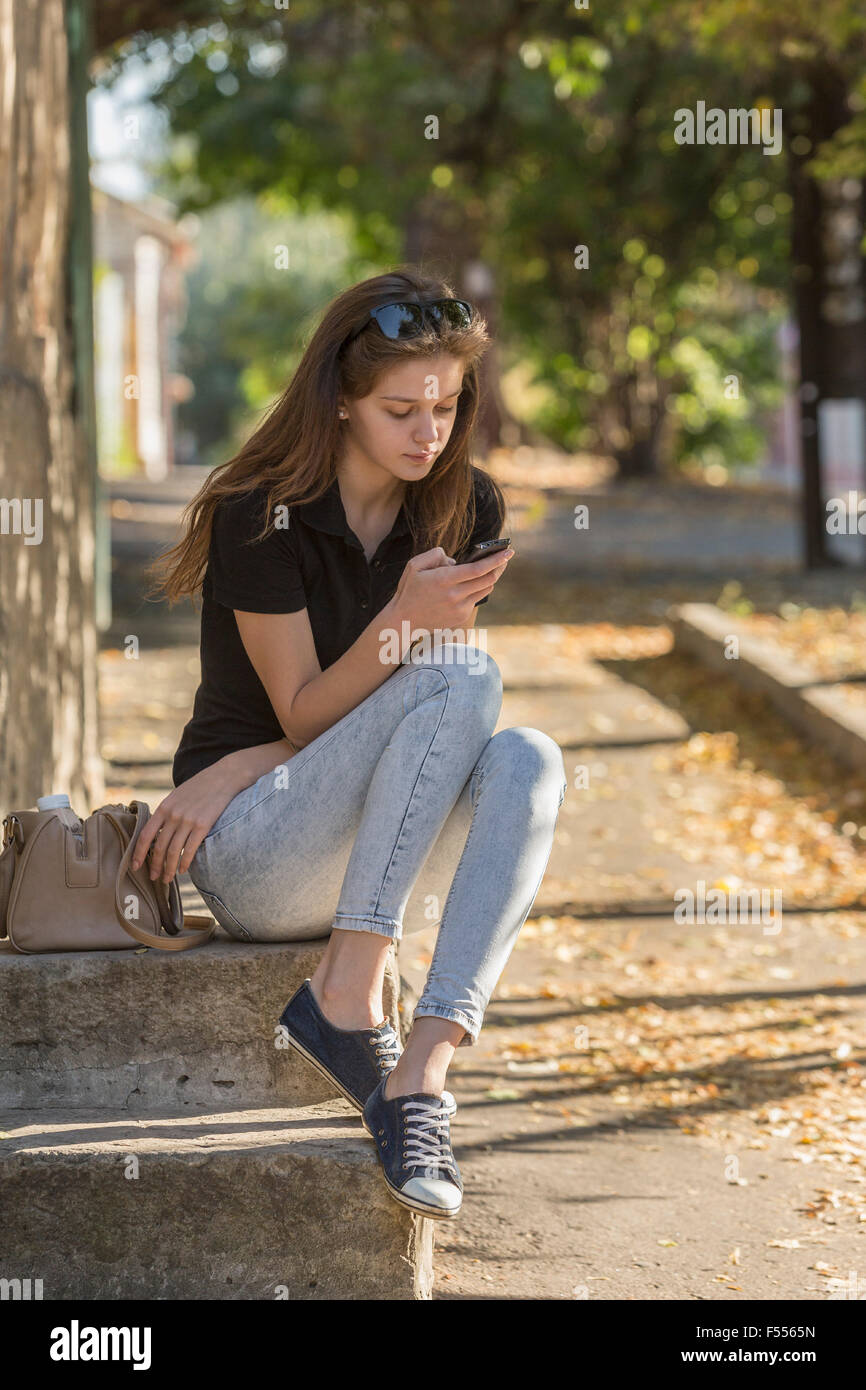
pixel 409 790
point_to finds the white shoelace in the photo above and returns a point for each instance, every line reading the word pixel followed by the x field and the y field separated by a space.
pixel 386 1046
pixel 426 1138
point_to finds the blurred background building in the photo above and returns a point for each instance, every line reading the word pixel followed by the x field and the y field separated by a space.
pixel 141 256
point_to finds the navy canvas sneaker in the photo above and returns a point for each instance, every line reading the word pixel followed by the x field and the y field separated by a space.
pixel 413 1141
pixel 354 1060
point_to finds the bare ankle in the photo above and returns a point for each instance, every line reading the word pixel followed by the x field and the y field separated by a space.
pixel 405 1082
pixel 343 1007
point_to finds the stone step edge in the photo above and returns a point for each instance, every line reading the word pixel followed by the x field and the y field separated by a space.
pixel 814 708
pixel 331 1128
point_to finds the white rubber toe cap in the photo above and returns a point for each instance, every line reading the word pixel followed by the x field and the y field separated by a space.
pixel 433 1192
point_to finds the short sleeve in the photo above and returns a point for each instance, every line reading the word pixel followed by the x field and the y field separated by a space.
pixel 263 577
pixel 488 515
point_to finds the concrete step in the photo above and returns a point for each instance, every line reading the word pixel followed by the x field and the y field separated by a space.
pixel 133 1030
pixel 231 1204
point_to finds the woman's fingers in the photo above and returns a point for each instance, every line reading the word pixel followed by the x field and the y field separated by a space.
pixel 156 838
pixel 171 860
pixel 157 852
pixel 429 559
pixel 176 835
pixel 488 566
pixel 485 582
pixel 143 843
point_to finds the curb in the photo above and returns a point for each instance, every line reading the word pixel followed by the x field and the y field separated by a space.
pixel 815 708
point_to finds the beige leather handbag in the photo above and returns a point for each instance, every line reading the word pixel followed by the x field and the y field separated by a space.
pixel 66 885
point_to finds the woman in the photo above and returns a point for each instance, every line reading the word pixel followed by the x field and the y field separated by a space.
pixel 324 764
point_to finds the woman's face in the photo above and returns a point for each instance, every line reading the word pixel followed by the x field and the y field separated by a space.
pixel 405 422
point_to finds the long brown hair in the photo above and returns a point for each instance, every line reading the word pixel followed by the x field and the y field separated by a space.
pixel 295 449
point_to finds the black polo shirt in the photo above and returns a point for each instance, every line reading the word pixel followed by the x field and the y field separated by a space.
pixel 315 562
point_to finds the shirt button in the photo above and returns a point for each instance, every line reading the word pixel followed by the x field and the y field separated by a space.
pixel 365 603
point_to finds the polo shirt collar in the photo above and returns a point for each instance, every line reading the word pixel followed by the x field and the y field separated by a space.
pixel 327 513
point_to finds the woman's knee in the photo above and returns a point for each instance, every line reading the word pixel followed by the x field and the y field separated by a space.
pixel 535 761
pixel 466 669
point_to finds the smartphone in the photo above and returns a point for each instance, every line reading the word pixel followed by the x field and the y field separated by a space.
pixel 487 548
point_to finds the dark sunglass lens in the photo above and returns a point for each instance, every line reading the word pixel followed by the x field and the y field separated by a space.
pixel 455 312
pixel 399 320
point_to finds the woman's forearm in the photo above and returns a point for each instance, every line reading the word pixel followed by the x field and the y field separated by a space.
pixel 341 687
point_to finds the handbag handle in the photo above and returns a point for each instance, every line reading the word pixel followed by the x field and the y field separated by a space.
pixel 175 942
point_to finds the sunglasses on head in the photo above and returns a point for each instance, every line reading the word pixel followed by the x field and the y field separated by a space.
pixel 406 320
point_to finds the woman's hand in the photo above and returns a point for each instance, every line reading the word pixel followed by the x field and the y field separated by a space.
pixel 436 592
pixel 181 821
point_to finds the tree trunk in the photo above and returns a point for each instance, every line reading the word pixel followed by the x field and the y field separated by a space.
pixel 48 645
pixel 636 461
pixel 829 295
pixel 636 415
